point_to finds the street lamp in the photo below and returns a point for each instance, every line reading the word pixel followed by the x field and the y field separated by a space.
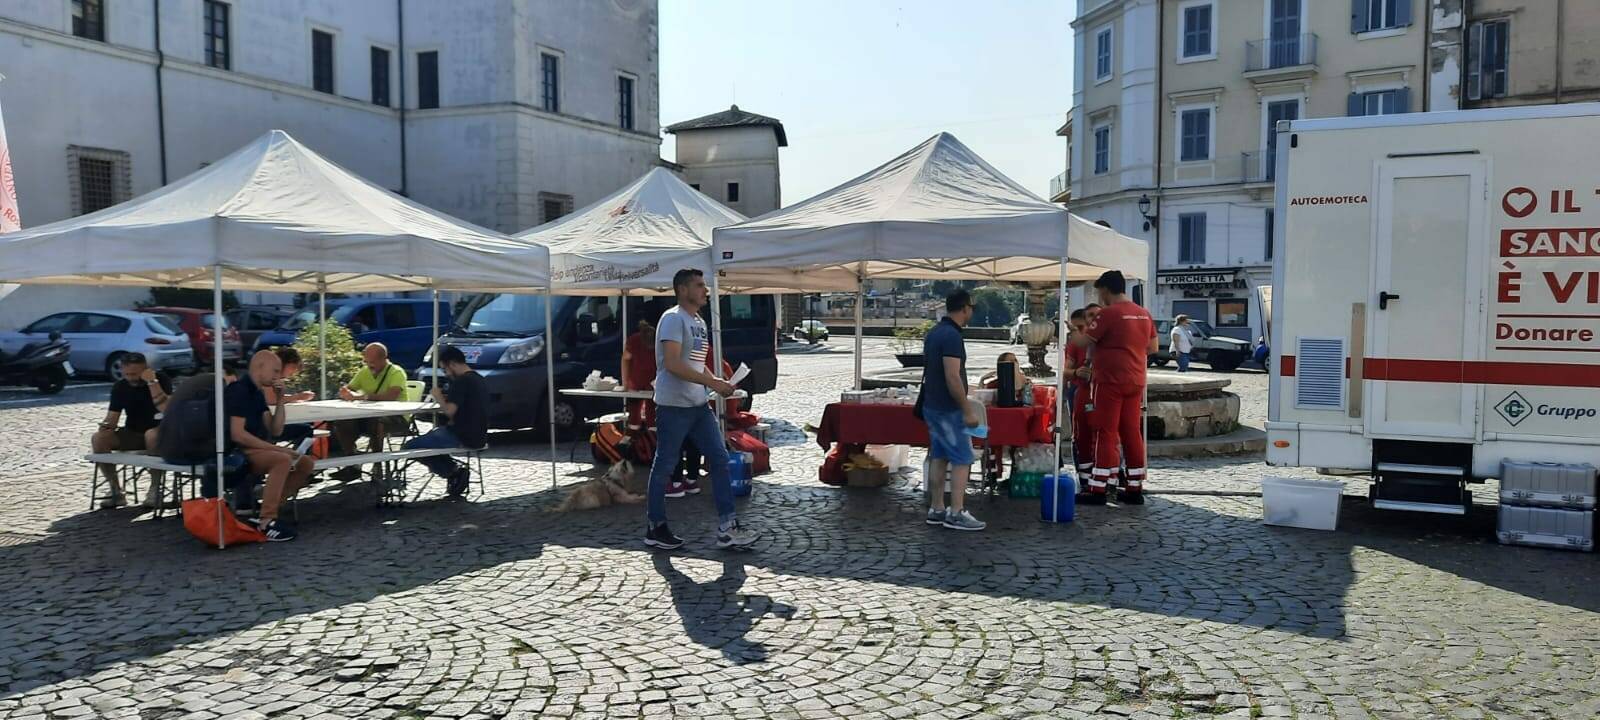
pixel 1144 210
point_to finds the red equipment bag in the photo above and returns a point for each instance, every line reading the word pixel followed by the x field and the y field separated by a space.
pixel 832 470
pixel 608 444
pixel 741 441
pixel 200 517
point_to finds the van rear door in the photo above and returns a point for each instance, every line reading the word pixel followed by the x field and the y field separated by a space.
pixel 1425 314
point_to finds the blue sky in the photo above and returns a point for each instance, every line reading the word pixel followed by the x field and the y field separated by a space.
pixel 856 83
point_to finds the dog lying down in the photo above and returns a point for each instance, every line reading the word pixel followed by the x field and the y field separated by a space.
pixel 608 489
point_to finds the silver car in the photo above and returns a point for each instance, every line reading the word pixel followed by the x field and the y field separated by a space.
pixel 100 338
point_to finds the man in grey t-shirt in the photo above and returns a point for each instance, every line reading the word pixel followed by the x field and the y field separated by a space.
pixel 682 381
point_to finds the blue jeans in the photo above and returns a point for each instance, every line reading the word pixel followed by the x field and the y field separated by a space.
pixel 1183 362
pixel 947 436
pixel 439 437
pixel 697 425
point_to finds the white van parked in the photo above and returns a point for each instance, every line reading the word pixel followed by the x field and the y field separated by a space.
pixel 1437 309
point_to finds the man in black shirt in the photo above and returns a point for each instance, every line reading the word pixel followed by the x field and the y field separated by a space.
pixel 141 395
pixel 466 410
pixel 252 423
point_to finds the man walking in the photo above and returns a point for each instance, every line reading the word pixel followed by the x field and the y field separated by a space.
pixel 1182 342
pixel 466 411
pixel 682 379
pixel 948 414
pixel 1122 337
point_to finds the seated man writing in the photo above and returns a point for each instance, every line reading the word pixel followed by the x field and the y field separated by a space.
pixel 377 380
pixel 465 407
pixel 293 433
pixel 252 422
pixel 141 394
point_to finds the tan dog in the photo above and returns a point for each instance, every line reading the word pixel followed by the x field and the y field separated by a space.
pixel 602 491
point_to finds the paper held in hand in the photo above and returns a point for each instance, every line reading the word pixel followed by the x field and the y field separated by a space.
pixel 740 374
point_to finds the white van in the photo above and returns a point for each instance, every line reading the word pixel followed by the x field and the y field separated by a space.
pixel 1437 309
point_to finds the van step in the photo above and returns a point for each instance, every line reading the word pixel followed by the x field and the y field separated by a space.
pixel 1410 469
pixel 1409 506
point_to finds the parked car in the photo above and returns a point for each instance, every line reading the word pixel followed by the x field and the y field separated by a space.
pixel 100 338
pixel 198 325
pixel 253 320
pixel 504 338
pixel 1223 354
pixel 810 331
pixel 404 325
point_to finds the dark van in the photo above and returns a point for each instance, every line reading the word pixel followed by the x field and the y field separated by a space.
pixel 504 338
pixel 404 325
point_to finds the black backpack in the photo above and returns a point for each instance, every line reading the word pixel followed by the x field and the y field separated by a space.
pixel 188 431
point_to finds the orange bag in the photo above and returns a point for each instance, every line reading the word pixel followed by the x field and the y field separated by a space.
pixel 200 519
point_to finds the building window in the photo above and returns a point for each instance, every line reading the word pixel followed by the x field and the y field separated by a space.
pixel 1487 44
pixel 1102 54
pixel 553 205
pixel 550 81
pixel 625 102
pixel 1371 15
pixel 1233 312
pixel 428 80
pixel 322 61
pixel 99 178
pixel 733 192
pixel 89 19
pixel 1195 137
pixel 217 51
pixel 1102 150
pixel 1197 32
pixel 1270 231
pixel 1192 239
pixel 1381 102
pixel 380 76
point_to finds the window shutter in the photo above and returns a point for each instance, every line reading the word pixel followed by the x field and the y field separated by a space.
pixel 1402 100
pixel 1474 62
pixel 1358 16
pixel 1356 106
pixel 1402 13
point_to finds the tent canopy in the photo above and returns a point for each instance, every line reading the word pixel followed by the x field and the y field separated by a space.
pixel 637 237
pixel 275 216
pixel 939 210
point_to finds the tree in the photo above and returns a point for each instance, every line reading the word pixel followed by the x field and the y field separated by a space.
pixel 989 307
pixel 343 357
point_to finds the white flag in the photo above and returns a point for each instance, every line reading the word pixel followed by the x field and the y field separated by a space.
pixel 9 218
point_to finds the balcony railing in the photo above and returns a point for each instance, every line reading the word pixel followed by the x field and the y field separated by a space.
pixel 1258 166
pixel 1058 185
pixel 1280 52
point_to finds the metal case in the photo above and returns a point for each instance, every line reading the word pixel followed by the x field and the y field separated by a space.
pixel 1550 485
pixel 1547 527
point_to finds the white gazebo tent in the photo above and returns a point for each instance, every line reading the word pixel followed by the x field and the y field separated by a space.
pixel 273 216
pixel 633 240
pixel 938 211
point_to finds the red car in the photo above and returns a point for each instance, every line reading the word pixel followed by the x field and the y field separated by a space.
pixel 197 324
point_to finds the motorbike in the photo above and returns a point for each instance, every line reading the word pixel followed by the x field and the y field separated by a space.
pixel 40 364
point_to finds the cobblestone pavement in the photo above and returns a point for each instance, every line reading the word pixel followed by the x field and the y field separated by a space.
pixel 848 607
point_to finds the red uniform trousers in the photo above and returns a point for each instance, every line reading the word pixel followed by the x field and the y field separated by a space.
pixel 1119 441
pixel 1083 433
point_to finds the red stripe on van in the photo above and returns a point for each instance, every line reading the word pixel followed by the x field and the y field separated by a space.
pixel 1478 371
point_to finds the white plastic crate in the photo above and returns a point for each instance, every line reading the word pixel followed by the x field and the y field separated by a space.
pixel 1294 502
pixel 892 456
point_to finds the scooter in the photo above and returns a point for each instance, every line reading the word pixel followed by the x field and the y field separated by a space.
pixel 40 364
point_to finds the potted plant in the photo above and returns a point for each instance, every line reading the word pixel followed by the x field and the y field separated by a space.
pixel 908 344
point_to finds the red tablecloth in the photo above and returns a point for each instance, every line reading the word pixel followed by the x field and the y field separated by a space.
pixel 862 424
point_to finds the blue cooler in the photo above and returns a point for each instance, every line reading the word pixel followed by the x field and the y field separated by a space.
pixel 1066 486
pixel 739 474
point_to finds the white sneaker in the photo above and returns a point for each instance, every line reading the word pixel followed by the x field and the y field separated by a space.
pixel 963 521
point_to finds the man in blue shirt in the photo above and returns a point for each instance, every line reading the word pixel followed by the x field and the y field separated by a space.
pixel 948 413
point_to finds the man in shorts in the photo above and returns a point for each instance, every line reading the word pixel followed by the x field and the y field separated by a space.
pixel 139 397
pixel 948 414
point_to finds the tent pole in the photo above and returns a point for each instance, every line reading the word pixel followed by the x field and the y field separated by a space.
pixel 433 347
pixel 861 294
pixel 1061 387
pixel 216 389
pixel 550 381
pixel 322 335
pixel 716 344
pixel 624 379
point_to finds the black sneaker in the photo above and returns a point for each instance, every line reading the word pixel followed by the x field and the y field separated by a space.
pixel 460 481
pixel 1129 497
pixel 278 531
pixel 1090 499
pixel 660 537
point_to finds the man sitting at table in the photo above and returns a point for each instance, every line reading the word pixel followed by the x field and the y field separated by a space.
pixel 466 410
pixel 141 394
pixel 378 380
pixel 252 422
pixel 293 433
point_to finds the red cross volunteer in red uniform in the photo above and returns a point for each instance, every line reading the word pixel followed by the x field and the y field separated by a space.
pixel 1123 336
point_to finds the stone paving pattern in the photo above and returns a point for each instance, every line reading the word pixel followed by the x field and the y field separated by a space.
pixel 848 607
